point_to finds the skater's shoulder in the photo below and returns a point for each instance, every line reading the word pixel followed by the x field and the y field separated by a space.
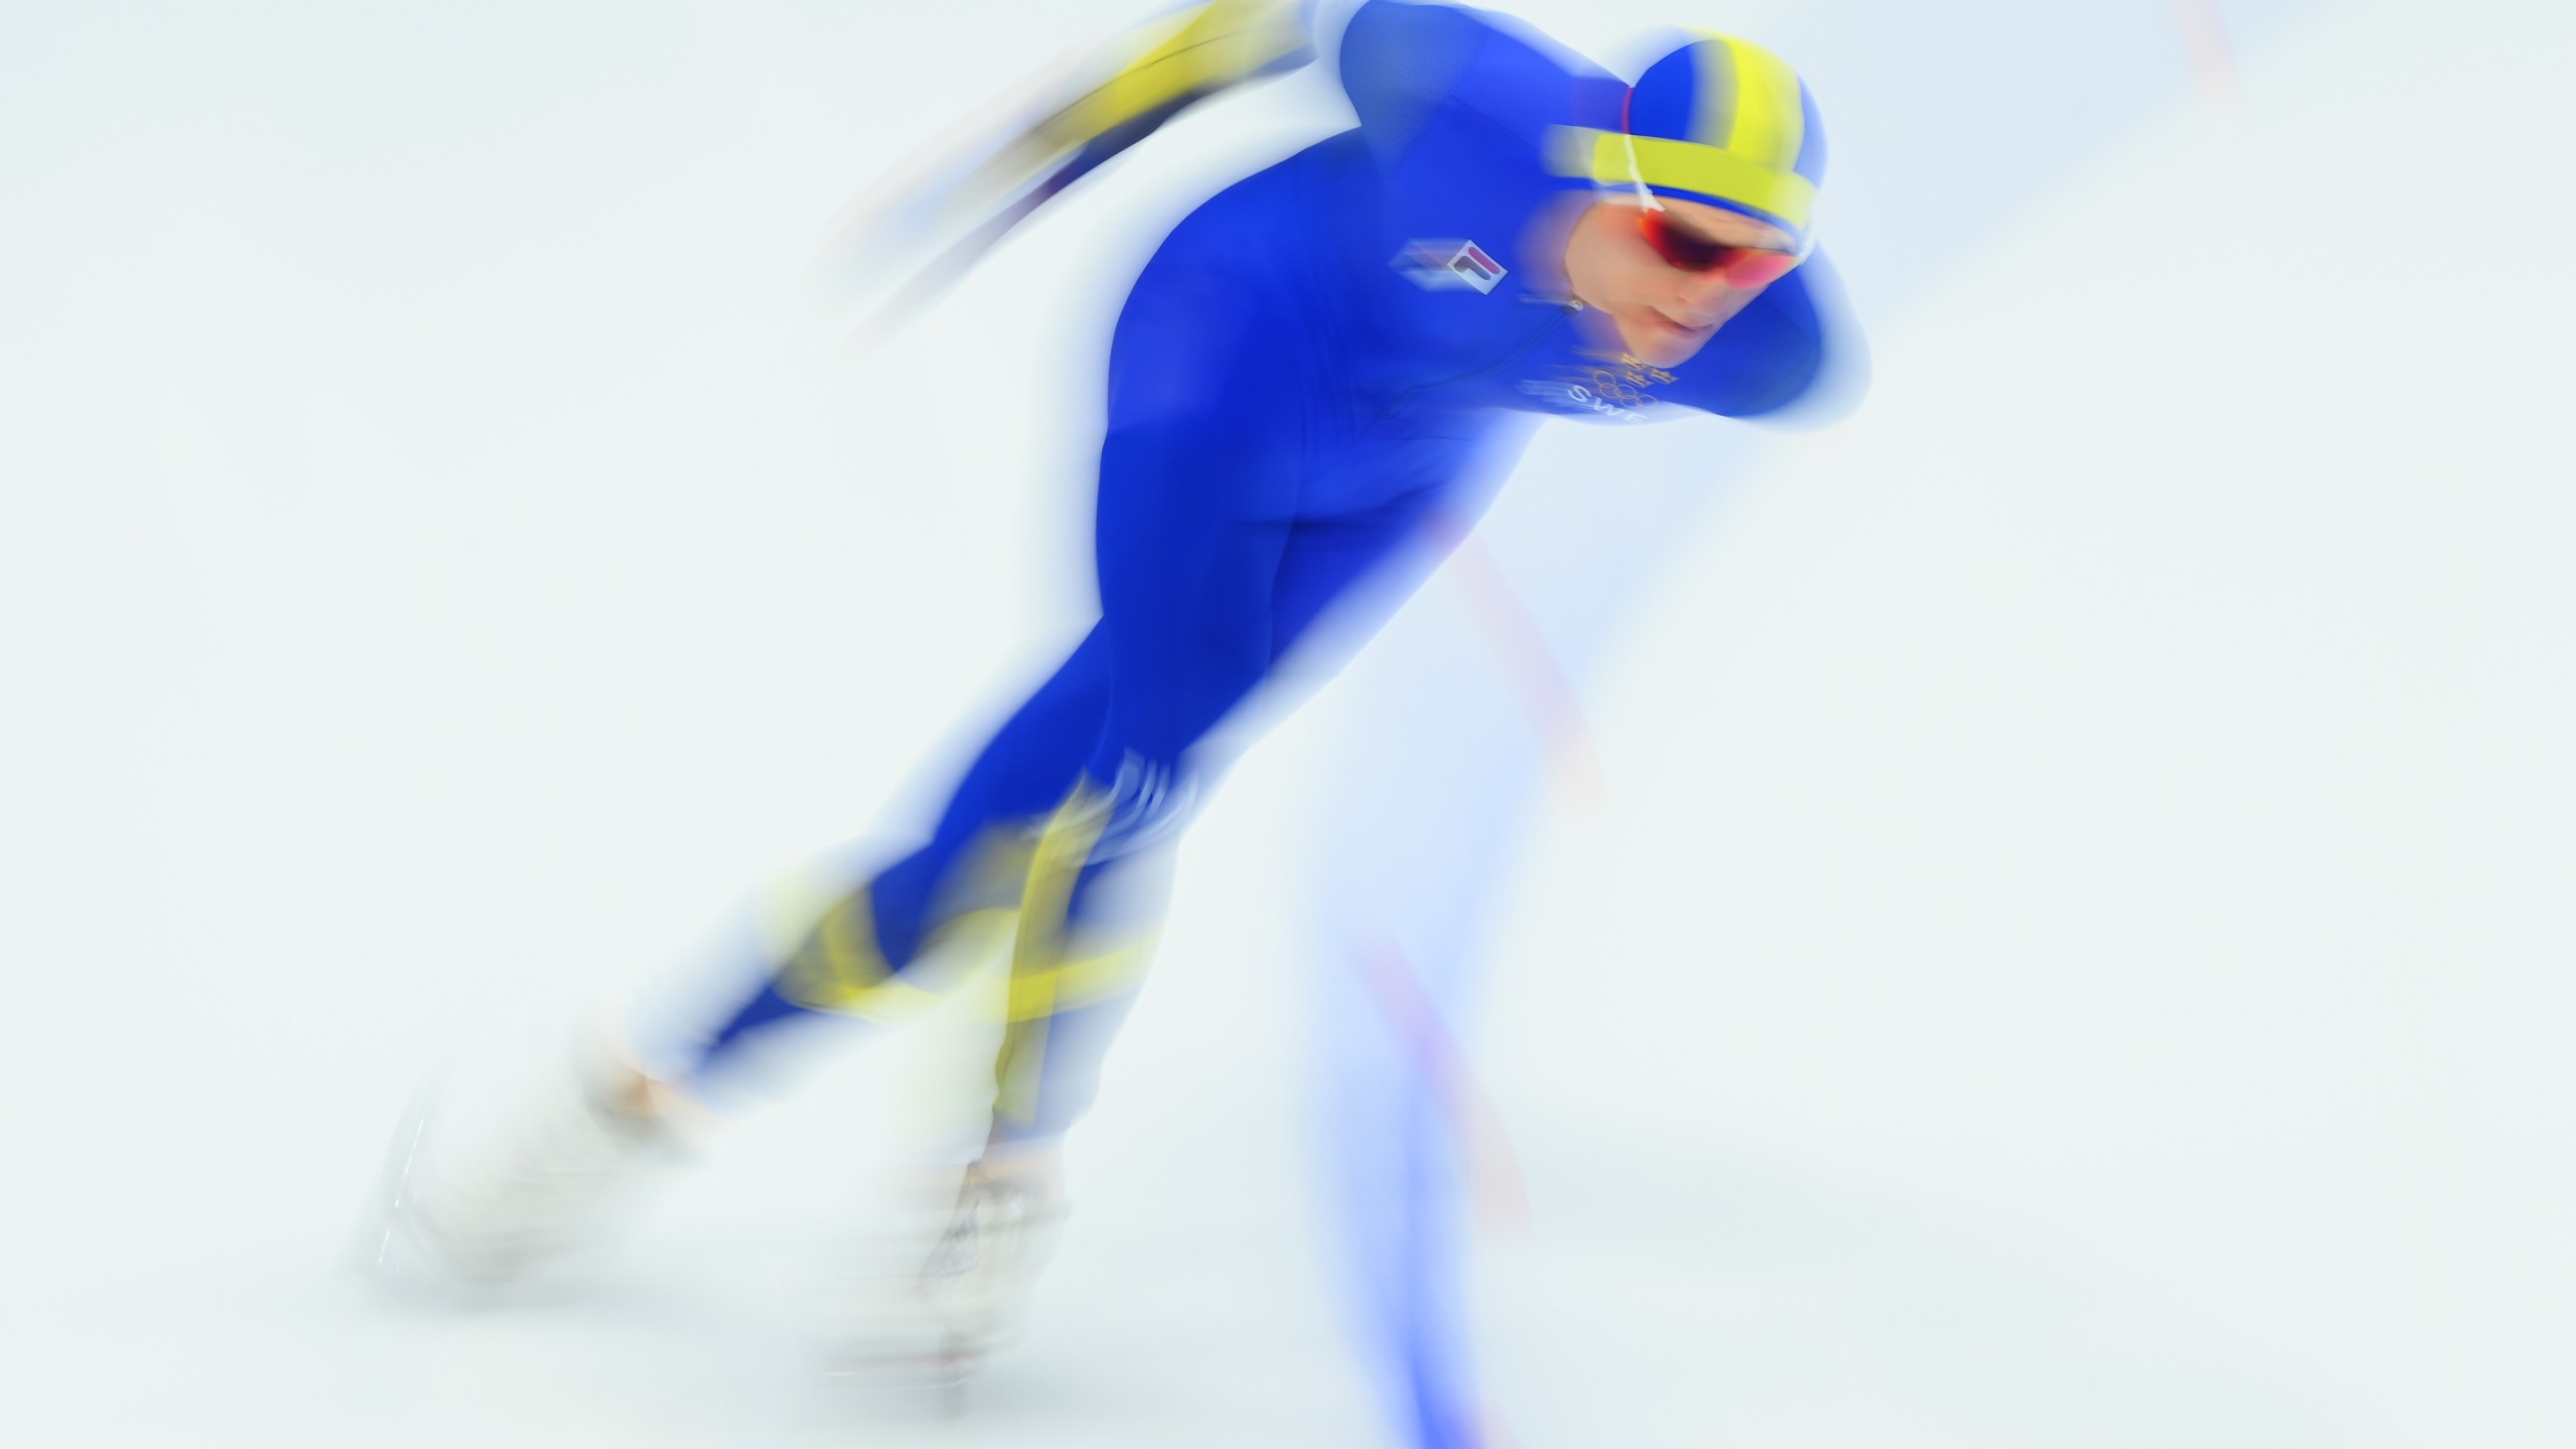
pixel 1402 62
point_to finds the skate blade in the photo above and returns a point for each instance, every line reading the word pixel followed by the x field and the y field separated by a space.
pixel 943 1367
pixel 937 1376
pixel 893 1348
pixel 388 1232
pixel 394 1248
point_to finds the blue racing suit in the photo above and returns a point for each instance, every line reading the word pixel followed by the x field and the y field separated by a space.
pixel 1316 363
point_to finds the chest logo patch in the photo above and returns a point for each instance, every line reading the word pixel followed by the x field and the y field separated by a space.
pixel 1442 266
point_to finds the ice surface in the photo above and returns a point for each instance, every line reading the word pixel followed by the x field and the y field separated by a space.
pixel 2072 948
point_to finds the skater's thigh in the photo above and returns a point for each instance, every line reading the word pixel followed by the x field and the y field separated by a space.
pixel 1353 571
pixel 1199 482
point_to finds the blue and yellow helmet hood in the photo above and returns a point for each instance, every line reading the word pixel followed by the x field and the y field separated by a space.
pixel 1716 120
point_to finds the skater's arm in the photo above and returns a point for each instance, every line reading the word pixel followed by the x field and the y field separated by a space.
pixel 1154 70
pixel 1068 124
pixel 1401 62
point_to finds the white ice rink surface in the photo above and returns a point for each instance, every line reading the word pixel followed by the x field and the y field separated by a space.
pixel 2074 950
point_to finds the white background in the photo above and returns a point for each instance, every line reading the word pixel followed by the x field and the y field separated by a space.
pixel 2072 948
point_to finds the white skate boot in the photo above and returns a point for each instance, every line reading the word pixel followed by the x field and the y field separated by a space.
pixel 936 1318
pixel 484 1207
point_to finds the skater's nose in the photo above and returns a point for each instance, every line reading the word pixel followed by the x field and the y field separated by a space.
pixel 1705 299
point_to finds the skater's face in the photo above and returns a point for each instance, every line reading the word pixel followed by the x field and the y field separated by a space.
pixel 1668 280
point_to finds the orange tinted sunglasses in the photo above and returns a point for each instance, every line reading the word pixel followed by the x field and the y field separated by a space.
pixel 1686 250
